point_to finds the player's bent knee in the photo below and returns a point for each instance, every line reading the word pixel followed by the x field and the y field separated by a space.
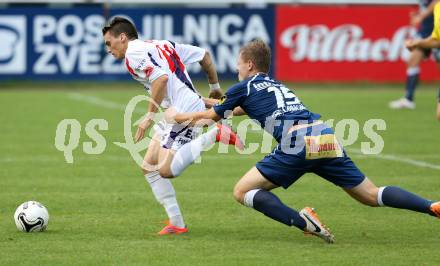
pixel 148 169
pixel 165 172
pixel 148 166
pixel 239 194
pixel 145 171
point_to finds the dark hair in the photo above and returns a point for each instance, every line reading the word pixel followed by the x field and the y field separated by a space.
pixel 120 25
pixel 259 53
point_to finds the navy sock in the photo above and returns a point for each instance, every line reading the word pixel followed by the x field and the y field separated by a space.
pixel 411 84
pixel 398 198
pixel 270 205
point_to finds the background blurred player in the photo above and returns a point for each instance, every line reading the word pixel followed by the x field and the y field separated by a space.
pixel 433 41
pixel 305 144
pixel 423 19
pixel 160 67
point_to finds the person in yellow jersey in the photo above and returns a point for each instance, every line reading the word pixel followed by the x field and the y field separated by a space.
pixel 424 21
pixel 432 41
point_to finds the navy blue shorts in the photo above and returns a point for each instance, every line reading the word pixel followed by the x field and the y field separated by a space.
pixel 283 167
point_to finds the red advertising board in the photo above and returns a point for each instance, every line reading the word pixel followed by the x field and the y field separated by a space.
pixel 345 43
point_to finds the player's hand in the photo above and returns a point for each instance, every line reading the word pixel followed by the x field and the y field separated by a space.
pixel 143 126
pixel 411 44
pixel 209 102
pixel 170 115
pixel 215 94
pixel 415 19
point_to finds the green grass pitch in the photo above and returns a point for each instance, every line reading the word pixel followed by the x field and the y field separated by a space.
pixel 103 212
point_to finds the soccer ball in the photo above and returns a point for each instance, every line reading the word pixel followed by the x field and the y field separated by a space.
pixel 31 216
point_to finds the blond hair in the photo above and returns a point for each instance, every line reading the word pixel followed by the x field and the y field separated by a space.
pixel 259 53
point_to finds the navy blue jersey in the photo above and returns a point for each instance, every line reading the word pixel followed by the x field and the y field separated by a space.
pixel 427 24
pixel 424 3
pixel 267 101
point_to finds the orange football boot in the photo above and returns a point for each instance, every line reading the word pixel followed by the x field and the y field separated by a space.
pixel 315 226
pixel 170 229
pixel 435 208
pixel 227 136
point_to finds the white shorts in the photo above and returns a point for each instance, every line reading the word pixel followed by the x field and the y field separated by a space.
pixel 174 136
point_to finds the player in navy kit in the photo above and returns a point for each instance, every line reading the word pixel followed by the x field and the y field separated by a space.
pixel 305 144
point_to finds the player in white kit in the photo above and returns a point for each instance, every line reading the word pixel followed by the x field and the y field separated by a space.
pixel 160 67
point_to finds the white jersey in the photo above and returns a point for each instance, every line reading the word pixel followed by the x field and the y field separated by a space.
pixel 148 60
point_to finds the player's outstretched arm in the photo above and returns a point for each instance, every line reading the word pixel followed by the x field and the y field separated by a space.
pixel 238 111
pixel 205 118
pixel 158 90
pixel 418 17
pixel 208 67
pixel 427 43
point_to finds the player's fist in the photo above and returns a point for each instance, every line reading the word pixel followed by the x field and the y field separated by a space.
pixel 215 93
pixel 139 134
pixel 411 44
pixel 142 127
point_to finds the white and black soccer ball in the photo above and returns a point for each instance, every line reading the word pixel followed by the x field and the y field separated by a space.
pixel 31 216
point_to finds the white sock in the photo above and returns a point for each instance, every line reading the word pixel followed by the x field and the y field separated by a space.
pixel 249 198
pixel 189 152
pixel 165 194
pixel 379 197
pixel 412 71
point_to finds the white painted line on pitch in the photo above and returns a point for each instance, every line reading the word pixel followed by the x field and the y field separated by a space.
pixel 29 159
pixel 396 158
pixel 100 102
pixel 357 154
pixel 127 158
